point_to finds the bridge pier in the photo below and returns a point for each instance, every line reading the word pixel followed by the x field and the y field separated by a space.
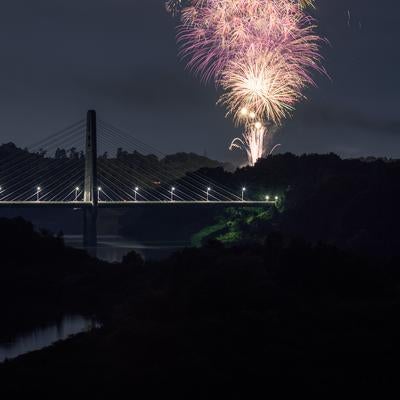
pixel 90 229
pixel 90 186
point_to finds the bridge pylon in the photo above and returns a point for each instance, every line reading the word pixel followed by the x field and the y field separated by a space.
pixel 90 185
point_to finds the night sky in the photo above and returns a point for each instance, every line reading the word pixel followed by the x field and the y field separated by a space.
pixel 59 58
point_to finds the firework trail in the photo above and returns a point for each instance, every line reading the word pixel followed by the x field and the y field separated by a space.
pixel 260 52
pixel 253 142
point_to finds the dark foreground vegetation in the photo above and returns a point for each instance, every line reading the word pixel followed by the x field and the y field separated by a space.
pixel 41 279
pixel 271 319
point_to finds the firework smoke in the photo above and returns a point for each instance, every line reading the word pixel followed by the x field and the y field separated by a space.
pixel 260 52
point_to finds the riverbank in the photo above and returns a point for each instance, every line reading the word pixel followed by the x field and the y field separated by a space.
pixel 278 318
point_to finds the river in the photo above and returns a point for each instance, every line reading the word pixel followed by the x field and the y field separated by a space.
pixel 45 336
pixel 113 248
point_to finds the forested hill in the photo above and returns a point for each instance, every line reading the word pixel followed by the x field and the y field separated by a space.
pixel 120 167
pixel 180 162
pixel 351 203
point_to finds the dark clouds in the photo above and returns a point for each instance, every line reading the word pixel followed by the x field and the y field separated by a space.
pixel 319 117
pixel 60 57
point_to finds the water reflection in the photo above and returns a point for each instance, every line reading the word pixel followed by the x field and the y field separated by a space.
pixel 44 337
pixel 113 248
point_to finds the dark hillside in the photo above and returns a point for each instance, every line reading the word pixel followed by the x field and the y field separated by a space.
pixel 349 203
pixel 282 318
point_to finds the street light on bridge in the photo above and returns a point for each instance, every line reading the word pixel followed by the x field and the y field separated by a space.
pixel 243 190
pixel 76 193
pixel 208 193
pixel 38 190
pixel 172 193
pixel 136 192
pixel 99 189
pixel 267 198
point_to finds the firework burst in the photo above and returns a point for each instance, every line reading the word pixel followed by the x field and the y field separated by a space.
pixel 260 52
pixel 262 84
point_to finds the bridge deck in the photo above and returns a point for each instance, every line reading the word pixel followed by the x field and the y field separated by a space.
pixel 123 204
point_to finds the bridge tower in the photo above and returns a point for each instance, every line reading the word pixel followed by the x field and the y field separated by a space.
pixel 90 185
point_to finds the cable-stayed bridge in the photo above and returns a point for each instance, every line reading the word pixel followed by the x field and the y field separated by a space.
pixel 86 177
